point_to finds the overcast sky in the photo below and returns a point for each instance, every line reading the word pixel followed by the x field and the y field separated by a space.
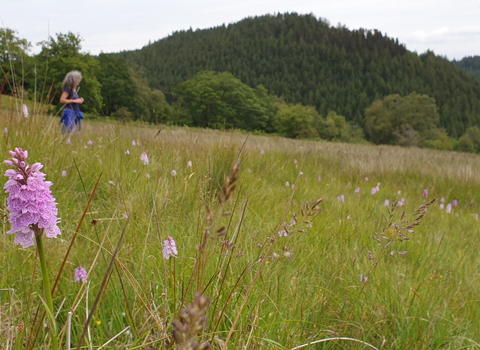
pixel 449 28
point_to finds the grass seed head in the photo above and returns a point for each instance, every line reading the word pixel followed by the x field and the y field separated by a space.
pixel 191 322
pixel 229 183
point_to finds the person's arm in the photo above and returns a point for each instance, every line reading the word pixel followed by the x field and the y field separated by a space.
pixel 63 99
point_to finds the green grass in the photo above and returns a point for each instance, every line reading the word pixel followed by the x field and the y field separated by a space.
pixel 427 299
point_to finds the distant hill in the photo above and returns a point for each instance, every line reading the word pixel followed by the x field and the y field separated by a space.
pixel 305 60
pixel 471 65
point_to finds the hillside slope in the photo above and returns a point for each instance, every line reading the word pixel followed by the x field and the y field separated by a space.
pixel 471 65
pixel 305 60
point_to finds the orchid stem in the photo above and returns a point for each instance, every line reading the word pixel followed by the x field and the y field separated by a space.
pixel 46 286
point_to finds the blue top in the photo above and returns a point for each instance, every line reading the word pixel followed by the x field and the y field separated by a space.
pixel 72 95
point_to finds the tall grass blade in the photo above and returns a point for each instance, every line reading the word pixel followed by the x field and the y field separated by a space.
pixel 104 281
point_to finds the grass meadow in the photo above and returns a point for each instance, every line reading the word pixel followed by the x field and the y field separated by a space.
pixel 278 272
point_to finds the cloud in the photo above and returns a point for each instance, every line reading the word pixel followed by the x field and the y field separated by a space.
pixel 445 34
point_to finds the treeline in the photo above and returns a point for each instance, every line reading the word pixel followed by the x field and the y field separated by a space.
pixel 109 86
pixel 125 89
pixel 112 88
pixel 305 60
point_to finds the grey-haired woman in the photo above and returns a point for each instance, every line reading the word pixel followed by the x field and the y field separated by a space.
pixel 71 116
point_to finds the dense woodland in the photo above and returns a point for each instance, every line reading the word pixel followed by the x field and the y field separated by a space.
pixel 471 65
pixel 305 60
pixel 288 74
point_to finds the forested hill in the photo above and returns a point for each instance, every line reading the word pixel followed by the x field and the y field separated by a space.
pixel 305 60
pixel 471 65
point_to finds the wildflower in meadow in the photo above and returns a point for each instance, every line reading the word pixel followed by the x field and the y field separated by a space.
pixel 449 208
pixel 134 143
pixel 282 233
pixel 373 190
pixel 455 203
pixel 64 173
pixel 33 211
pixel 259 245
pixel 174 173
pixel 341 198
pixel 111 182
pixel 80 275
pixel 25 110
pixel 144 158
pixel 401 203
pixel 262 152
pixel 31 204
pixel 363 279
pixel 147 175
pixel 319 178
pixel 399 193
pixel 357 190
pixel 366 179
pixel 5 130
pixel 441 206
pixel 68 141
pixel 90 143
pixel 169 248
pixel 139 143
pixel 425 193
pixel 295 161
pixel 189 164
pixel 287 184
pixel 127 152
pixel 387 202
pixel 442 200
pixel 300 173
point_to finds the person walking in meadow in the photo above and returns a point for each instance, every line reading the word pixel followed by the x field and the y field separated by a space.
pixel 71 117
